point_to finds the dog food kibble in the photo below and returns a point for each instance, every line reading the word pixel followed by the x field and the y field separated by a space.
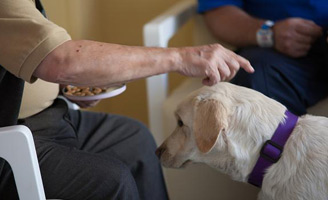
pixel 83 91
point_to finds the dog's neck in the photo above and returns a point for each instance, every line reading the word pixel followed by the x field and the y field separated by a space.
pixel 272 149
pixel 238 147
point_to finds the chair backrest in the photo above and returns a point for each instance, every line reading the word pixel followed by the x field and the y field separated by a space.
pixel 157 33
pixel 202 35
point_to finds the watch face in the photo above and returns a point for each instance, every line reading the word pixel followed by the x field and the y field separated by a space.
pixel 269 23
pixel 264 37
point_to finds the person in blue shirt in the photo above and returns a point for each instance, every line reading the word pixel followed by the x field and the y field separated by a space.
pixel 285 41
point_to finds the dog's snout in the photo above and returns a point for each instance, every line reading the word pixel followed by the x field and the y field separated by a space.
pixel 159 152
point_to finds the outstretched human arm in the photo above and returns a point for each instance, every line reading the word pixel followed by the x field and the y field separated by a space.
pixel 292 36
pixel 36 47
pixel 90 63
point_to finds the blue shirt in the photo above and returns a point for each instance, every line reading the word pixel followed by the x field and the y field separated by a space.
pixel 315 10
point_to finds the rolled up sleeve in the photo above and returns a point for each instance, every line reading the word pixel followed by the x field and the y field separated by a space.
pixel 26 37
pixel 206 5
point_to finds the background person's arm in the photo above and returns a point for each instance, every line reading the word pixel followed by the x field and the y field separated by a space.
pixel 292 36
pixel 90 63
pixel 233 25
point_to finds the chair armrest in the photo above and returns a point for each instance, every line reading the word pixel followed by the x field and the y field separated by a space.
pixel 157 33
pixel 17 148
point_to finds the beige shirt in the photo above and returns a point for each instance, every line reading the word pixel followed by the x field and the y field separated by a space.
pixel 26 38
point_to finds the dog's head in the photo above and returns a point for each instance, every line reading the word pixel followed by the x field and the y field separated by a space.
pixel 221 126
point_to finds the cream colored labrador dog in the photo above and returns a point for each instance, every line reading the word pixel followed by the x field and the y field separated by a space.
pixel 225 126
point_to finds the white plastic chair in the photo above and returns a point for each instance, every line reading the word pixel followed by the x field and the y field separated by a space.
pixel 17 148
pixel 194 182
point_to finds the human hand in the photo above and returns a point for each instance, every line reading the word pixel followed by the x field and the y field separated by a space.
pixel 214 62
pixel 294 36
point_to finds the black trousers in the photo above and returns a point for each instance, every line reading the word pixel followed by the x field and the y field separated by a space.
pixel 297 83
pixel 86 155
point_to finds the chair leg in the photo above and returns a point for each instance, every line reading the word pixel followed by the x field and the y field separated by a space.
pixel 17 147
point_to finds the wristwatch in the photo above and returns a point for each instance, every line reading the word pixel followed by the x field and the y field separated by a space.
pixel 264 35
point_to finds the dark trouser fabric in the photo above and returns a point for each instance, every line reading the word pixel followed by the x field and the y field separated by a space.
pixel 296 83
pixel 85 155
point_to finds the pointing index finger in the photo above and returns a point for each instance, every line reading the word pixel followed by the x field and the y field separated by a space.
pixel 245 64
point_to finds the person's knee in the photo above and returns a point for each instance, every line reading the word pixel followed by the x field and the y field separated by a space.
pixel 260 56
pixel 262 60
pixel 119 179
pixel 142 134
pixel 256 81
pixel 143 146
pixel 273 77
pixel 110 179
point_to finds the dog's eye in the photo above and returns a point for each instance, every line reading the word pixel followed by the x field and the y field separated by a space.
pixel 180 123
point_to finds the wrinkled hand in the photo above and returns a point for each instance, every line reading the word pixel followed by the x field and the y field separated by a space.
pixel 213 62
pixel 294 36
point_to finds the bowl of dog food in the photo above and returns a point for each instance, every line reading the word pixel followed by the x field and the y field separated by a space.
pixel 92 93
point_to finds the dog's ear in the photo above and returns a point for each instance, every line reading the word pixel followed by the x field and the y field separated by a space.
pixel 210 119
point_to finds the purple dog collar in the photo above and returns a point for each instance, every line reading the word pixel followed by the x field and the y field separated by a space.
pixel 272 149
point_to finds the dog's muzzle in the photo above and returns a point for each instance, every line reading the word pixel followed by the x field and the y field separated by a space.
pixel 159 152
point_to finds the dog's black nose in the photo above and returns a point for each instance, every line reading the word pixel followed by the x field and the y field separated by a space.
pixel 159 152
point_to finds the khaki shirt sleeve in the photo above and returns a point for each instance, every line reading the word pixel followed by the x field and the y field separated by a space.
pixel 26 37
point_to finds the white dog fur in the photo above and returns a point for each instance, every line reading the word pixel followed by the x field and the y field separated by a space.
pixel 225 126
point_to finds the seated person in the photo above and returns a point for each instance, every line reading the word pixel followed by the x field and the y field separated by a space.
pixel 285 41
pixel 81 154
